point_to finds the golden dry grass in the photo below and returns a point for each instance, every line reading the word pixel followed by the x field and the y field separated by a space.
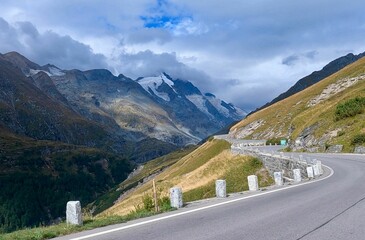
pixel 294 113
pixel 199 168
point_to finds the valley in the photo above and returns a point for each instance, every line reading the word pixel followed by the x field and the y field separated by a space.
pixel 164 119
pixel 71 134
pixel 326 114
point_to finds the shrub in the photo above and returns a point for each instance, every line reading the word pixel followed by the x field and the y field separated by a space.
pixel 164 204
pixel 350 108
pixel 340 133
pixel 274 141
pixel 358 139
pixel 148 204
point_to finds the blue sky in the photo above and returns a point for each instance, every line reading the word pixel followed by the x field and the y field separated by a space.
pixel 245 52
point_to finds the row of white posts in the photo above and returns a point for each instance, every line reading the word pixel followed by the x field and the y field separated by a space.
pixel 74 214
pixel 313 171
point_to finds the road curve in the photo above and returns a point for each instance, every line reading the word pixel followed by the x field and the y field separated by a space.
pixel 333 208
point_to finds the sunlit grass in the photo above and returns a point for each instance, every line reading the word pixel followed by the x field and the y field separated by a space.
pixel 291 116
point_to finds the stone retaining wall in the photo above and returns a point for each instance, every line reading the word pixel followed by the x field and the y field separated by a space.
pixel 277 162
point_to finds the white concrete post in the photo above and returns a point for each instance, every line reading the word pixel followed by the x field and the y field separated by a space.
pixel 297 176
pixel 315 170
pixel 310 172
pixel 73 213
pixel 278 177
pixel 319 164
pixel 220 188
pixel 253 184
pixel 176 200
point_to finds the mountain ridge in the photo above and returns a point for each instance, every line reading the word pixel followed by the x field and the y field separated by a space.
pixel 315 77
pixel 100 96
pixel 309 119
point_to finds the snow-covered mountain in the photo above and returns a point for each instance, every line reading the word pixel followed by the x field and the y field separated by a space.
pixel 170 110
pixel 165 88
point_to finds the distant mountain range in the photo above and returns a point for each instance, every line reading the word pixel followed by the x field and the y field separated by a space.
pixel 156 107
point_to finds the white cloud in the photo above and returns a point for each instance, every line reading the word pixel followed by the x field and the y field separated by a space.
pixel 187 27
pixel 148 63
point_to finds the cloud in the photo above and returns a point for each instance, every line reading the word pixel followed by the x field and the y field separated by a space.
pixel 290 60
pixel 48 47
pixel 299 58
pixel 246 52
pixel 146 35
pixel 148 63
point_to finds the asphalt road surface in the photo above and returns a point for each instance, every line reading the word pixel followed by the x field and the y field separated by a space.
pixel 331 207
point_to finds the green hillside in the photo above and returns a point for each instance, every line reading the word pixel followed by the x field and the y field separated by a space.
pixel 37 178
pixel 317 117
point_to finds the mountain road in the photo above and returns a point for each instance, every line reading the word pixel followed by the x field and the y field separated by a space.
pixel 332 207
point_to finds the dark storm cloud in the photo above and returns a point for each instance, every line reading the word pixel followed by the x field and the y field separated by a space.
pixel 290 60
pixel 47 47
pixel 299 58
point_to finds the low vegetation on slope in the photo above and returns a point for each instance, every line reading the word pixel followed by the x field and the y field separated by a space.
pixel 142 174
pixel 37 178
pixel 327 113
pixel 193 169
pixel 151 168
pixel 195 173
pixel 236 171
pixel 350 108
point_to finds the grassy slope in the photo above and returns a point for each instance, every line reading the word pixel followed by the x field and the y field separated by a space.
pixel 195 173
pixel 293 113
pixel 150 168
pixel 41 233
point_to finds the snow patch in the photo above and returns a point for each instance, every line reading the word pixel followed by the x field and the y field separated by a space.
pixel 217 103
pixel 199 102
pixel 34 72
pixel 152 84
pixel 56 71
pixel 240 112
pixel 52 72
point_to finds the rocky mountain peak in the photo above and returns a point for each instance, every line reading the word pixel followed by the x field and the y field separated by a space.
pixel 21 62
pixel 183 92
pixel 159 107
pixel 154 84
pixel 209 95
pixel 99 74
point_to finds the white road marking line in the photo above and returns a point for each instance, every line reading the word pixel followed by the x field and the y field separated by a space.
pixel 202 208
